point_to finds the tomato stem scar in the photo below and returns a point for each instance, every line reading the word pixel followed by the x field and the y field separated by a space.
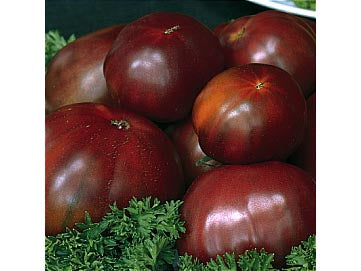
pixel 120 124
pixel 259 85
pixel 171 30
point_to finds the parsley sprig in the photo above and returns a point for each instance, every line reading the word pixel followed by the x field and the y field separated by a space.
pixel 142 237
pixel 301 258
pixel 139 237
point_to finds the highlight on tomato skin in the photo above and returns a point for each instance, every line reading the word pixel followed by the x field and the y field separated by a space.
pixel 249 114
pixel 276 38
pixel 221 120
pixel 160 62
pixel 97 155
pixel 234 208
pixel 75 73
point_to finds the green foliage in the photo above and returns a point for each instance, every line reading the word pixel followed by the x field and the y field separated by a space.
pixel 204 161
pixel 306 4
pixel 303 257
pixel 252 260
pixel 139 237
pixel 53 43
pixel 227 262
pixel 142 237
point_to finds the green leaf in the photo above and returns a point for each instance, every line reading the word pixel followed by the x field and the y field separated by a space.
pixel 306 4
pixel 139 237
pixel 187 263
pixel 227 262
pixel 203 161
pixel 53 43
pixel 303 257
pixel 252 260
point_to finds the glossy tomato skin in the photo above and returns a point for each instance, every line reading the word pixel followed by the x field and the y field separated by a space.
pixel 75 74
pixel 219 28
pixel 235 208
pixel 305 155
pixel 276 38
pixel 159 63
pixel 251 113
pixel 186 142
pixel 91 163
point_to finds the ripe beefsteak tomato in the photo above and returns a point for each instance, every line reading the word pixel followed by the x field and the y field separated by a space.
pixel 251 113
pixel 186 142
pixel 75 74
pixel 235 208
pixel 160 62
pixel 219 28
pixel 97 155
pixel 276 38
pixel 305 155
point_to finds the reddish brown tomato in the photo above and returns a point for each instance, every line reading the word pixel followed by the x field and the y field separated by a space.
pixel 235 208
pixel 311 23
pixel 305 155
pixel 250 113
pixel 186 142
pixel 219 28
pixel 96 155
pixel 160 62
pixel 276 38
pixel 75 74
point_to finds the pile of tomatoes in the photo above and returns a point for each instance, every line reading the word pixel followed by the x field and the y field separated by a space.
pixel 133 109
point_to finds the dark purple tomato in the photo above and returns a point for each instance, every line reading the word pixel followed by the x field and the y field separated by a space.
pixel 251 113
pixel 160 62
pixel 97 155
pixel 234 208
pixel 276 38
pixel 75 74
pixel 305 155
pixel 186 142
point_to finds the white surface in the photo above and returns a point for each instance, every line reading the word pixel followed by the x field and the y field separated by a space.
pixel 286 6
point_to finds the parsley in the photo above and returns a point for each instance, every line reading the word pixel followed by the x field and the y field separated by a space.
pixel 142 237
pixel 301 258
pixel 251 260
pixel 139 237
pixel 53 43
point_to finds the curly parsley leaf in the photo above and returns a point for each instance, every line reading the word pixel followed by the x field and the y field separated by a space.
pixel 303 257
pixel 139 237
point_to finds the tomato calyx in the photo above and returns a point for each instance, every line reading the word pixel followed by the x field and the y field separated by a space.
pixel 120 124
pixel 171 30
pixel 259 85
pixel 236 36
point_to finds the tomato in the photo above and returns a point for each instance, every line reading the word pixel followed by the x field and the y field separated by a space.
pixel 235 208
pixel 305 155
pixel 276 38
pixel 186 142
pixel 160 62
pixel 97 155
pixel 75 74
pixel 219 28
pixel 311 23
pixel 251 113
